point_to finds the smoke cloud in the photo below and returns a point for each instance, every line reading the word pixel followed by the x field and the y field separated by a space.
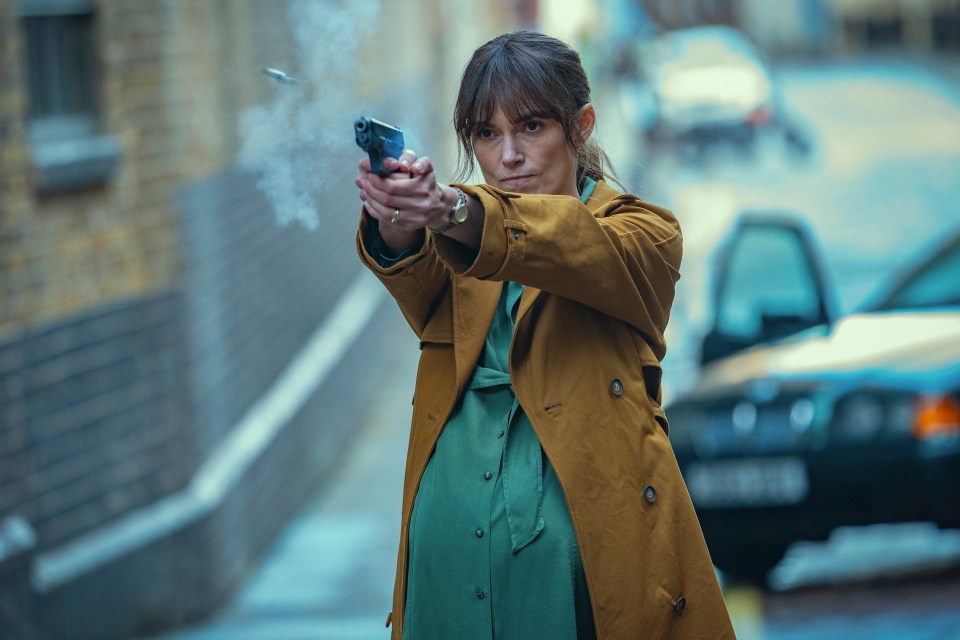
pixel 292 141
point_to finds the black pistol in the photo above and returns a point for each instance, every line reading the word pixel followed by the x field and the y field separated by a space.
pixel 380 140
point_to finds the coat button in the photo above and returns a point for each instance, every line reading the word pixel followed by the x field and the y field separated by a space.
pixel 500 433
pixel 680 605
pixel 516 235
pixel 616 387
pixel 487 475
pixel 480 532
pixel 480 594
pixel 649 493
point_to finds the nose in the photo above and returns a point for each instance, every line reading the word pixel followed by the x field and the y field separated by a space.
pixel 511 153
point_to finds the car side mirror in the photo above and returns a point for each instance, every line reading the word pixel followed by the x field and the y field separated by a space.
pixel 769 285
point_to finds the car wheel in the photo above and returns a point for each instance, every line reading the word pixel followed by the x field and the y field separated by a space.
pixel 748 561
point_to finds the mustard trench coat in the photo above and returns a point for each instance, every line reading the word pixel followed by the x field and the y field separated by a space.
pixel 585 364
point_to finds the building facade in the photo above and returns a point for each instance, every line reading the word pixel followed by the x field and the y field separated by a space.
pixel 150 303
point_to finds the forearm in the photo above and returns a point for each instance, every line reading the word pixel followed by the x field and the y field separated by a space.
pixel 415 278
pixel 625 265
pixel 389 245
pixel 396 240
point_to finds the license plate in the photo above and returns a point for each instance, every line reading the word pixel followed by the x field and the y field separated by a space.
pixel 747 483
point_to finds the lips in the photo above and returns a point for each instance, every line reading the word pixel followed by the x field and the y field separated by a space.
pixel 517 181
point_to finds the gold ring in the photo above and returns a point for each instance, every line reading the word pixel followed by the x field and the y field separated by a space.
pixel 396 216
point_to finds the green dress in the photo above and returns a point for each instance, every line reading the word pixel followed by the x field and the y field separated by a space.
pixel 492 551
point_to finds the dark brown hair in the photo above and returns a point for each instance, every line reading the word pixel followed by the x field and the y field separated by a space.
pixel 524 73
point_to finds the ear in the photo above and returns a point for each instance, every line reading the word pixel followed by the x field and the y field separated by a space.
pixel 586 121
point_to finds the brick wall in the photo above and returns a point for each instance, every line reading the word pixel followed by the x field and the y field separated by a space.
pixel 173 390
pixel 15 275
pixel 81 403
pixel 140 318
pixel 96 415
pixel 255 291
pixel 173 79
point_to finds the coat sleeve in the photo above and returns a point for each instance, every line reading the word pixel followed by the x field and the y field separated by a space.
pixel 622 260
pixel 417 282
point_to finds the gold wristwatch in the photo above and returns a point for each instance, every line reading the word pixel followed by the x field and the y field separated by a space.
pixel 458 215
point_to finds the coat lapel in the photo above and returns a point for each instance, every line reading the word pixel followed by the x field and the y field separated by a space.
pixel 474 303
pixel 526 301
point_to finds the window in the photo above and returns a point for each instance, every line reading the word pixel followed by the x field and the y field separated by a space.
pixel 68 149
pixel 936 284
pixel 768 279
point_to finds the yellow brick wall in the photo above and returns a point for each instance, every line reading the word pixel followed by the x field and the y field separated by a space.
pixel 174 76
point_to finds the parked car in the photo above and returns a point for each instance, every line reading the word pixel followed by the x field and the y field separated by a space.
pixel 801 421
pixel 705 84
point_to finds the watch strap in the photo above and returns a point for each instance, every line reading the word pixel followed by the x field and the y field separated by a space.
pixel 452 222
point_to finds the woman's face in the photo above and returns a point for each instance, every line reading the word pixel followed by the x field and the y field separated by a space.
pixel 529 156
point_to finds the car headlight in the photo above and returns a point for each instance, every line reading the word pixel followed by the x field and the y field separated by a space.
pixel 802 413
pixel 858 417
pixel 865 415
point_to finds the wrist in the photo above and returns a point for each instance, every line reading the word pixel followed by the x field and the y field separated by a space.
pixel 455 211
pixel 448 198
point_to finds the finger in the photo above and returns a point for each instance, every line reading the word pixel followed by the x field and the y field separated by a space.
pixel 393 217
pixel 383 192
pixel 421 166
pixel 407 158
pixel 403 163
pixel 364 164
pixel 399 191
pixel 414 204
pixel 374 209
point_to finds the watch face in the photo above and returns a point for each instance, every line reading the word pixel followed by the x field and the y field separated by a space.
pixel 460 213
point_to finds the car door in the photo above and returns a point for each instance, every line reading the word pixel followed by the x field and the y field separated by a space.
pixel 769 283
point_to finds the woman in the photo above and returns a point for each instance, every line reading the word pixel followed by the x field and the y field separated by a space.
pixel 541 498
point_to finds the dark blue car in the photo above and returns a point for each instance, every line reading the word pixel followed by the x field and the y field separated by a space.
pixel 802 421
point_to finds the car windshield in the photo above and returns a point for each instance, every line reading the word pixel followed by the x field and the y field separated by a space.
pixel 701 46
pixel 935 284
pixel 706 65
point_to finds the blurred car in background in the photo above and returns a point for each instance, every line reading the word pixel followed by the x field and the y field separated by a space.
pixel 702 85
pixel 802 422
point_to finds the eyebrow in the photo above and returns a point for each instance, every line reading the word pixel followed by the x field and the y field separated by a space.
pixel 523 117
pixel 541 115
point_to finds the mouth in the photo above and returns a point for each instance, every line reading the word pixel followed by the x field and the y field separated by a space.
pixel 517 181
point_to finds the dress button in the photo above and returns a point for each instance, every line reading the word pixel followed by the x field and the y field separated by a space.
pixel 487 475
pixel 480 594
pixel 680 605
pixel 649 493
pixel 480 532
pixel 616 387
